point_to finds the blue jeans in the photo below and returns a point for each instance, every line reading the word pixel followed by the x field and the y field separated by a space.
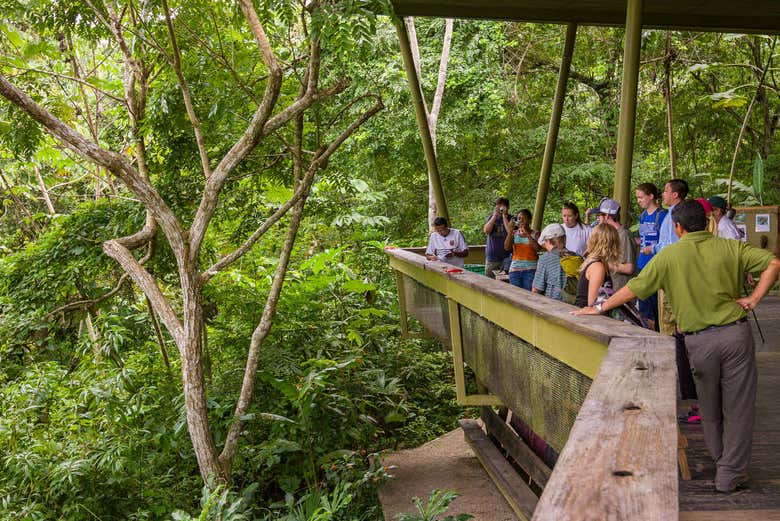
pixel 522 279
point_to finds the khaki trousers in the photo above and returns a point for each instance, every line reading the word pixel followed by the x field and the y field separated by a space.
pixel 667 324
pixel 724 368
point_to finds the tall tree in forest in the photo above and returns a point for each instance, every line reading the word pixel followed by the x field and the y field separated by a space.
pixel 432 114
pixel 153 62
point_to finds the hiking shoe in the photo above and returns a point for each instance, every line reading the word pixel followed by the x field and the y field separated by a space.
pixel 739 487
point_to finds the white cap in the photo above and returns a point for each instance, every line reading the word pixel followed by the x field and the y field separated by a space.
pixel 550 231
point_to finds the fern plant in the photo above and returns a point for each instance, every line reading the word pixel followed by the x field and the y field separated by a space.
pixel 438 502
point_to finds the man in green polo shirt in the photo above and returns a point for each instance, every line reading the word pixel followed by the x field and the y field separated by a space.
pixel 703 277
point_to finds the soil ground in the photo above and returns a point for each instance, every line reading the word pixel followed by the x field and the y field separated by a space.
pixel 446 463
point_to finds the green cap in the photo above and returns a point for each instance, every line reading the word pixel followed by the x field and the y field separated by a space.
pixel 718 202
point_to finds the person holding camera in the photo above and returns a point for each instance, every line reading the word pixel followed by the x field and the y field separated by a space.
pixel 496 226
pixel 522 243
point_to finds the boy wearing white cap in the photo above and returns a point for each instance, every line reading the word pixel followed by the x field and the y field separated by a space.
pixel 550 277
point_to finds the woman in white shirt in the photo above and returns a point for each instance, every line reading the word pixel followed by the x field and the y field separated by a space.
pixel 577 233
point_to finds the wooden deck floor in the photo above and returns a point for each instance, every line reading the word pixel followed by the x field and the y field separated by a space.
pixel 761 500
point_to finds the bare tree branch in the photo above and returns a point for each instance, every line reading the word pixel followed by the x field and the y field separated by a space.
pixel 88 303
pixel 745 120
pixel 18 202
pixel 185 92
pixel 159 335
pixel 443 61
pixel 255 132
pixel 148 285
pixel 65 77
pixel 227 260
pixel 44 191
pixel 269 311
pixel 111 161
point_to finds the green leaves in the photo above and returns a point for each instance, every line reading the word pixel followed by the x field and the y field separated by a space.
pixel 727 99
pixel 357 286
pixel 434 508
pixel 758 178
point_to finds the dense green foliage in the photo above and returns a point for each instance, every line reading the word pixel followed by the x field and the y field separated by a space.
pixel 93 423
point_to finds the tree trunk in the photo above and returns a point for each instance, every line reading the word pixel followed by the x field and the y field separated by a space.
pixel 44 190
pixel 432 116
pixel 193 381
pixel 668 59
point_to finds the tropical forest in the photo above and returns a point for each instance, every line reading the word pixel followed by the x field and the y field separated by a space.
pixel 198 319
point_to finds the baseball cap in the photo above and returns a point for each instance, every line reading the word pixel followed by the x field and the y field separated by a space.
pixel 609 206
pixel 550 231
pixel 718 202
pixel 705 204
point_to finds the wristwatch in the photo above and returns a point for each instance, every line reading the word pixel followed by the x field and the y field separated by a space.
pixel 599 307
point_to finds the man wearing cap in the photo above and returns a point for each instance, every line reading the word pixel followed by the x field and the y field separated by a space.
pixel 550 277
pixel 726 227
pixel 703 276
pixel 609 212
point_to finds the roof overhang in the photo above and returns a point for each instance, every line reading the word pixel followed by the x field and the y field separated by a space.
pixel 729 16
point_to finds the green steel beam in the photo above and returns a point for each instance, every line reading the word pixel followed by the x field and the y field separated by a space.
pixel 422 119
pixel 555 124
pixel 627 123
pixel 456 340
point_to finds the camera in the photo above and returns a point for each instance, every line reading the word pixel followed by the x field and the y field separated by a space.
pixel 501 209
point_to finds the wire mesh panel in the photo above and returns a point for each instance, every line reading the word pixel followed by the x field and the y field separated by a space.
pixel 429 307
pixel 544 392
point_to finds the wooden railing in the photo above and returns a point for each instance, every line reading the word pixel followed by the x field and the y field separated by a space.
pixel 601 393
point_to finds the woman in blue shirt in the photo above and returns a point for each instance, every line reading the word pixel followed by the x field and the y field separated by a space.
pixel 647 196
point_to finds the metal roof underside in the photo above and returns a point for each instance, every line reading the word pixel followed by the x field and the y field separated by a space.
pixel 731 16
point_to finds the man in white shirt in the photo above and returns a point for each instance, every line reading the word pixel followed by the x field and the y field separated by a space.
pixel 446 244
pixel 726 227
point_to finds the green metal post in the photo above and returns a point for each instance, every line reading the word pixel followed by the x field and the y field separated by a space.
pixel 625 140
pixel 422 118
pixel 555 124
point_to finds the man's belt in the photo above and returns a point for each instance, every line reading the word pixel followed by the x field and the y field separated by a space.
pixel 712 328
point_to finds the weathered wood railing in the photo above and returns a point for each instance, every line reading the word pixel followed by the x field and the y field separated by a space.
pixel 601 393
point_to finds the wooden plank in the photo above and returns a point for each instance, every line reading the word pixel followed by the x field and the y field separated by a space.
pixel 620 462
pixel 516 447
pixel 731 515
pixel 700 495
pixel 520 497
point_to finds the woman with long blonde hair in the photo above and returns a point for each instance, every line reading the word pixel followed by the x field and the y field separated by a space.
pixel 603 251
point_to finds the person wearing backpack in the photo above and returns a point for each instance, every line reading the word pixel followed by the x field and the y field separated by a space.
pixel 650 220
pixel 556 270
